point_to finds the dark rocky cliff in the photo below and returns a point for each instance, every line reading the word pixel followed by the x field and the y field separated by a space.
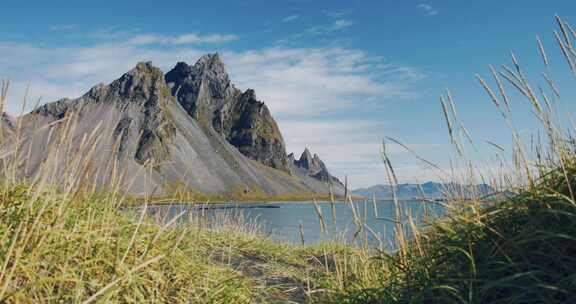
pixel 204 90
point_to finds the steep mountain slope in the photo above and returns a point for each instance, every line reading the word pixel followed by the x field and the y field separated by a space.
pixel 190 130
pixel 430 190
pixel 206 93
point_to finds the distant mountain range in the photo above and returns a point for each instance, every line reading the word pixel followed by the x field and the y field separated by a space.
pixel 430 190
pixel 191 127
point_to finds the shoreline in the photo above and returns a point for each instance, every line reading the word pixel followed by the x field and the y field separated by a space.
pixel 159 201
pixel 183 200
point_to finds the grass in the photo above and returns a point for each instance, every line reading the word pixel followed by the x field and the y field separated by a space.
pixel 522 250
pixel 61 241
pixel 515 250
pixel 58 248
pixel 192 196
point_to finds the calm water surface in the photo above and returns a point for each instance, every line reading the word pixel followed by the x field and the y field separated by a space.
pixel 284 220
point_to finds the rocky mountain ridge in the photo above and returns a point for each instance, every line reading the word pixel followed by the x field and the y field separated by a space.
pixel 192 125
pixel 312 166
pixel 207 94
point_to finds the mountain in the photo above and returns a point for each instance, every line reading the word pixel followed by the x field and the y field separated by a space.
pixel 312 166
pixel 206 93
pixel 430 190
pixel 188 130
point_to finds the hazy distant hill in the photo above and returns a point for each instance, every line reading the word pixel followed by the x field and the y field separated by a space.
pixel 429 190
pixel 191 126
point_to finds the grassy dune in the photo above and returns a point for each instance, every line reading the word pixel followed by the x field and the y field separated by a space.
pixel 61 241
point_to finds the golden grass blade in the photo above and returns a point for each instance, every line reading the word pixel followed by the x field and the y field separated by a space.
pixel 102 291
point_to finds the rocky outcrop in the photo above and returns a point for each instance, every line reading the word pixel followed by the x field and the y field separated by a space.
pixel 204 90
pixel 248 125
pixel 55 109
pixel 145 85
pixel 143 90
pixel 313 166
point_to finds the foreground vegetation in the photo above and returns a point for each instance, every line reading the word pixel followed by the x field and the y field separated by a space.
pixel 62 248
pixel 74 248
pixel 522 250
pixel 60 242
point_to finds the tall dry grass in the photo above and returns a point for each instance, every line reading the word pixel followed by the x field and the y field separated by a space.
pixel 518 249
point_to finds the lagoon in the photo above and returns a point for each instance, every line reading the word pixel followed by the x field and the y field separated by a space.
pixel 360 223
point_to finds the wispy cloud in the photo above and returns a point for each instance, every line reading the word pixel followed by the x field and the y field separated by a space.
pixel 427 9
pixel 191 38
pixel 110 34
pixel 319 80
pixel 335 26
pixel 290 18
pixel 341 24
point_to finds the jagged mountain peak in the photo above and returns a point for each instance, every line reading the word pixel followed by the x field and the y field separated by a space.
pixel 250 94
pixel 208 65
pixel 213 77
pixel 144 80
pixel 205 91
pixel 144 84
pixel 211 62
pixel 312 163
pixel 143 68
pixel 203 87
pixel 314 166
pixel 143 72
pixel 181 71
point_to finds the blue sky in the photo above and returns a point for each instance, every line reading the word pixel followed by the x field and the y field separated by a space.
pixel 338 75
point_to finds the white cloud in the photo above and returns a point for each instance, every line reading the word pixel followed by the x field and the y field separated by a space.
pixel 295 81
pixel 308 90
pixel 341 24
pixel 190 38
pixel 428 9
pixel 335 26
pixel 290 18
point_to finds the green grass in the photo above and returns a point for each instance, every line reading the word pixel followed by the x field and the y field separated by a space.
pixel 522 250
pixel 58 248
